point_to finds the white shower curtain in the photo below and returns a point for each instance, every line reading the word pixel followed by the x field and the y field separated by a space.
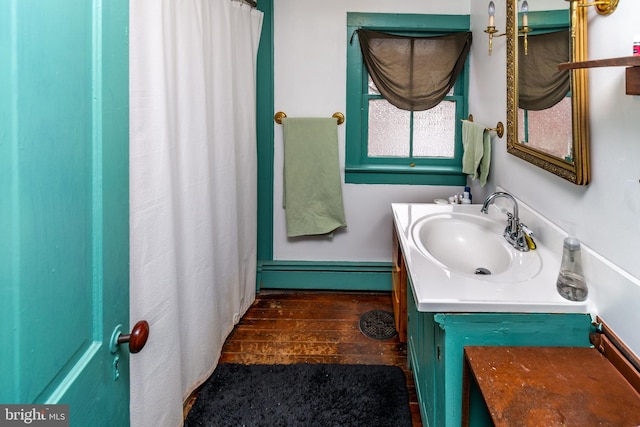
pixel 193 191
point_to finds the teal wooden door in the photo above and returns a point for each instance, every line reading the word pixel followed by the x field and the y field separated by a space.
pixel 64 278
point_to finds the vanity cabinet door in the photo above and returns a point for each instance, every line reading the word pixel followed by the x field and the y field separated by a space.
pixel 439 373
pixel 421 354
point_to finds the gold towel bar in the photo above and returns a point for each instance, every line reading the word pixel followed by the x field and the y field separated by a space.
pixel 280 115
pixel 499 129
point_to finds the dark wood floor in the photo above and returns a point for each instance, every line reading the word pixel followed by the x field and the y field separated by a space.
pixel 315 327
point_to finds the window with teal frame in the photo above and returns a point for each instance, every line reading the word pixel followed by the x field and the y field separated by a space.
pixel 386 145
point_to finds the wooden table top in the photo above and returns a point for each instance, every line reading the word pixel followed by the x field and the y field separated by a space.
pixel 552 386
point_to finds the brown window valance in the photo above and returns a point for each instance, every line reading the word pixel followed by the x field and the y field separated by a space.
pixel 540 84
pixel 414 73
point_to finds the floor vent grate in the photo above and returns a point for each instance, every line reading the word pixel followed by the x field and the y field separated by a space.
pixel 378 324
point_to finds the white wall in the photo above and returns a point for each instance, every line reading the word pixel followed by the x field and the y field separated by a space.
pixel 605 215
pixel 310 81
pixel 310 61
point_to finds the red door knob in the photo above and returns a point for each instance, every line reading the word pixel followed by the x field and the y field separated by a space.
pixel 137 338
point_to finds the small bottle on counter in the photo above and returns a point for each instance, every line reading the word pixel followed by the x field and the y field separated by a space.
pixel 468 190
pixel 571 283
pixel 636 45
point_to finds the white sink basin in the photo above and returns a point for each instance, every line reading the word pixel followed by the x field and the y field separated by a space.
pixel 444 245
pixel 472 244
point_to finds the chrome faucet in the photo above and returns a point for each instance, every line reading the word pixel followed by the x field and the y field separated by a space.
pixel 515 233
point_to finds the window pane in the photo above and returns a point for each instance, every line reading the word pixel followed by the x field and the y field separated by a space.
pixel 434 131
pixel 372 88
pixel 388 130
pixel 549 130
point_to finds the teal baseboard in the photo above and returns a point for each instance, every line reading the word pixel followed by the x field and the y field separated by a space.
pixel 324 275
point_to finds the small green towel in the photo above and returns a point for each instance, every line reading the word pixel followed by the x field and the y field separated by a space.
pixel 312 184
pixel 476 158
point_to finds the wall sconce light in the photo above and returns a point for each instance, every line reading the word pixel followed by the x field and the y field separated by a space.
pixel 524 29
pixel 491 28
pixel 603 7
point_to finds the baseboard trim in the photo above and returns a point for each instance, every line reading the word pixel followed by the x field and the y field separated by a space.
pixel 324 275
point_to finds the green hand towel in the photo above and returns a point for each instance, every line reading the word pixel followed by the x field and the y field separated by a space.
pixel 476 158
pixel 312 184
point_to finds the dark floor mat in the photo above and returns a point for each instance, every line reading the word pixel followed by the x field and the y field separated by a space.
pixel 303 395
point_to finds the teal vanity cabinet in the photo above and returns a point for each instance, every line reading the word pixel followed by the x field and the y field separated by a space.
pixel 436 342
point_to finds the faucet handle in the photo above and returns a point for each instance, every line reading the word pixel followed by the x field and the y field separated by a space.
pixel 528 236
pixel 526 230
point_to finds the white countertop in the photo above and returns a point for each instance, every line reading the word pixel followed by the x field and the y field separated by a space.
pixel 437 289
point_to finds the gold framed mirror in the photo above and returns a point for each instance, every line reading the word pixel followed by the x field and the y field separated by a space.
pixel 568 159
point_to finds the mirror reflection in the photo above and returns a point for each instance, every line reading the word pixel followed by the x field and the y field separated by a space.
pixel 544 93
pixel 547 111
